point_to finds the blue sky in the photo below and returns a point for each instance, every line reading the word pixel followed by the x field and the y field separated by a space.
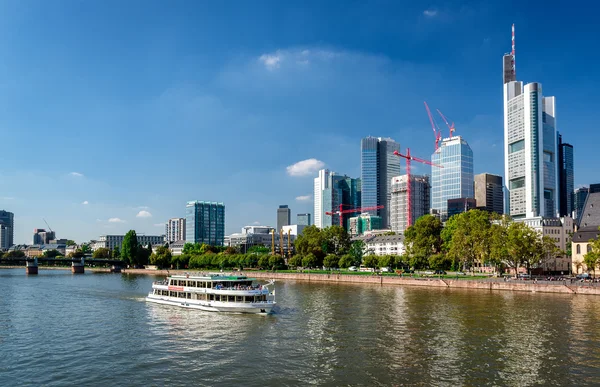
pixel 113 114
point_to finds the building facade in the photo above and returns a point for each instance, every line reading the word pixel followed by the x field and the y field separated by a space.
pixel 303 219
pixel 261 236
pixel 579 198
pixel 112 241
pixel 284 216
pixel 205 222
pixel 586 232
pixel 7 220
pixel 175 230
pixel 594 188
pixel 460 205
pixel 383 244
pixel 330 191
pixel 358 225
pixel 42 237
pixel 420 199
pixel 455 179
pixel 378 164
pixel 566 178
pixel 489 193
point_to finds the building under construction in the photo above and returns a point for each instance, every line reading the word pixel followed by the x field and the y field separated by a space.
pixel 420 195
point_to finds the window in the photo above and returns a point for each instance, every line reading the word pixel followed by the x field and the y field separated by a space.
pixel 578 249
pixel 517 146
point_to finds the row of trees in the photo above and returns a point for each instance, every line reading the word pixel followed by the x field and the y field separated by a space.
pixel 475 238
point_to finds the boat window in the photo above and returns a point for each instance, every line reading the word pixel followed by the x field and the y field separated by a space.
pixel 249 299
pixel 231 298
pixel 239 298
pixel 189 295
pixel 212 297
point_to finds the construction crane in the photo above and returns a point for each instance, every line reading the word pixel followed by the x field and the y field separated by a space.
pixel 451 127
pixel 410 158
pixel 437 133
pixel 341 211
pixel 49 228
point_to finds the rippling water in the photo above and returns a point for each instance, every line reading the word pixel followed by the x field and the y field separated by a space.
pixel 96 329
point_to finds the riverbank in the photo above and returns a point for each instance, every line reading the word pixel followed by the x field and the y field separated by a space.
pixel 563 287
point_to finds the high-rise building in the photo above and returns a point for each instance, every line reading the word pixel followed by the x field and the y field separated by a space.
pixel 7 219
pixel 175 230
pixel 284 217
pixel 331 191
pixel 358 225
pixel 42 237
pixel 489 193
pixel 579 198
pixel 455 179
pixel 378 165
pixel 460 205
pixel 420 199
pixel 205 222
pixel 566 177
pixel 594 188
pixel 530 150
pixel 303 219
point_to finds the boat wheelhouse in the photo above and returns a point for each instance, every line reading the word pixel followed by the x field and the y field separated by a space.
pixel 215 293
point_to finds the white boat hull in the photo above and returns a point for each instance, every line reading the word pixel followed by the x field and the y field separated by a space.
pixel 214 306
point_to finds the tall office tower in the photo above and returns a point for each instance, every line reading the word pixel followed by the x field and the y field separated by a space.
pixel 530 150
pixel 594 188
pixel 42 237
pixel 378 165
pixel 303 219
pixel 284 217
pixel 579 198
pixel 4 235
pixel 175 230
pixel 566 177
pixel 331 190
pixel 489 193
pixel 420 199
pixel 205 223
pixel 455 179
pixel 7 219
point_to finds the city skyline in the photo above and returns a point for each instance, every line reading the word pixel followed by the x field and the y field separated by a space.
pixel 97 92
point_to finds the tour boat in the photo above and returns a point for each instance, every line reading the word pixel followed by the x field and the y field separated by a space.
pixel 215 293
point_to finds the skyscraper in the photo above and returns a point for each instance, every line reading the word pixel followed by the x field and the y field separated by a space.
pixel 566 177
pixel 579 198
pixel 455 179
pixel 489 193
pixel 530 149
pixel 205 222
pixel 284 217
pixel 331 190
pixel 7 220
pixel 42 237
pixel 378 165
pixel 303 219
pixel 175 230
pixel 420 199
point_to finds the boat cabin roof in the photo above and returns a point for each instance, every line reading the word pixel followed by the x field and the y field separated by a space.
pixel 213 277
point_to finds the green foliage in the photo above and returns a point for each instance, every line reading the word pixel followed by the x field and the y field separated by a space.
pixel 295 261
pixel 331 261
pixel 310 260
pixel 336 240
pixel 85 248
pixel 592 258
pixel 389 233
pixel 129 248
pixel 471 238
pixel 143 255
pixel 387 261
pixel 14 254
pixel 331 240
pixel 259 250
pixel 423 239
pixel 357 251
pixel 276 262
pixel 71 242
pixel 346 261
pixel 52 253
pixel 161 258
pixel 116 253
pixel 440 262
pixel 102 252
pixel 230 250
pixel 263 261
pixel 371 261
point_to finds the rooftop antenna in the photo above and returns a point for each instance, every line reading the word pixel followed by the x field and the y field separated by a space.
pixel 513 50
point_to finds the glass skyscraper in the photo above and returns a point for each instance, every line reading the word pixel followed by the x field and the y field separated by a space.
pixel 566 177
pixel 331 190
pixel 7 221
pixel 455 180
pixel 378 165
pixel 205 223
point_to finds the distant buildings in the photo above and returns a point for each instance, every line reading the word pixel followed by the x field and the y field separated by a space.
pixel 489 193
pixel 175 230
pixel 420 199
pixel 293 229
pixel 460 205
pixel 587 231
pixel 112 241
pixel 331 190
pixel 566 178
pixel 455 180
pixel 284 216
pixel 383 244
pixel 303 219
pixel 7 227
pixel 579 201
pixel 259 236
pixel 42 237
pixel 378 165
pixel 363 223
pixel 205 222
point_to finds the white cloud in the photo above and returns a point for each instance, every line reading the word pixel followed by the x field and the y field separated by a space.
pixel 76 174
pixel 144 214
pixel 303 198
pixel 430 12
pixel 305 167
pixel 271 61
pixel 116 220
pixel 85 202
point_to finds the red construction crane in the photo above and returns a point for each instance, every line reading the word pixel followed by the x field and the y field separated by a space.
pixel 341 211
pixel 451 127
pixel 436 133
pixel 410 158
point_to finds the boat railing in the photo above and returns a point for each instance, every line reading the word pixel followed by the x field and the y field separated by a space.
pixel 163 282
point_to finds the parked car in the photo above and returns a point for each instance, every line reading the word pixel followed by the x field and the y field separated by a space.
pixel 440 272
pixel 352 268
pixel 386 270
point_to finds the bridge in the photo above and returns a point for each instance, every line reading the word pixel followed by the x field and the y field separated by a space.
pixel 77 264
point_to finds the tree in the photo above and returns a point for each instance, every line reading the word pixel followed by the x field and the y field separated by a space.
pixel 259 250
pixel 161 258
pixel 102 252
pixel 85 248
pixel 470 241
pixel 371 261
pixel 521 243
pixel 230 250
pixel 129 248
pixel 295 261
pixel 592 257
pixel 309 260
pixel 423 238
pixel 71 242
pixel 143 255
pixel 116 253
pixel 311 241
pixel 263 261
pixel 386 261
pixel 335 240
pixel 276 262
pixel 346 261
pixel 15 254
pixel 331 261
pixel 52 253
pixel 357 251
pixel 440 262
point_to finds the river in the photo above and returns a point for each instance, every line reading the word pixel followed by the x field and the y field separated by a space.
pixel 95 329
